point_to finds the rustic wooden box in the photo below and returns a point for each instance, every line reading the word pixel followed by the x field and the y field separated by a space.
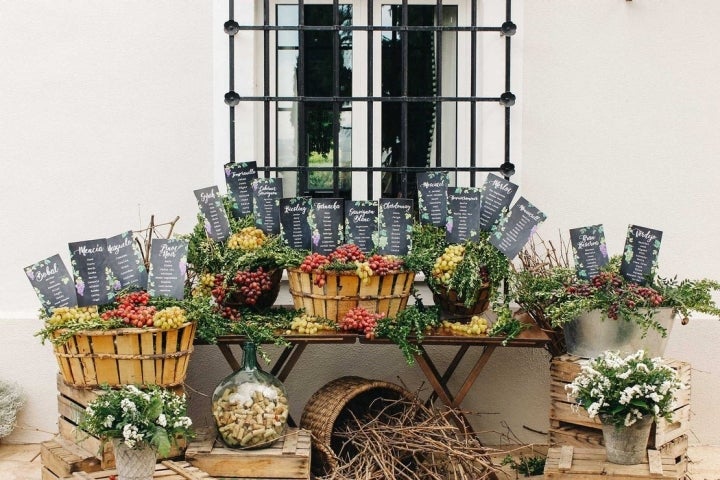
pixel 572 426
pixel 166 470
pixel 60 458
pixel 288 458
pixel 577 463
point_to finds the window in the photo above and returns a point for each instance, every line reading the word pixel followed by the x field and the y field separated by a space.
pixel 352 99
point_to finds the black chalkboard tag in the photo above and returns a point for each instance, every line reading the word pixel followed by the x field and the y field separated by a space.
pixel 361 223
pixel 326 224
pixel 514 230
pixel 294 225
pixel 463 217
pixel 90 266
pixel 589 250
pixel 640 255
pixel 217 225
pixel 238 178
pixel 52 282
pixel 432 197
pixel 126 262
pixel 266 204
pixel 395 222
pixel 497 195
pixel 168 267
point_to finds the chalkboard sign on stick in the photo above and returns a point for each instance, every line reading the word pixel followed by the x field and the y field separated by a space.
pixel 266 204
pixel 589 250
pixel 217 224
pixel 168 267
pixel 395 225
pixel 361 223
pixel 497 195
pixel 294 225
pixel 126 262
pixel 640 255
pixel 516 228
pixel 238 178
pixel 52 282
pixel 326 224
pixel 432 197
pixel 463 217
pixel 90 266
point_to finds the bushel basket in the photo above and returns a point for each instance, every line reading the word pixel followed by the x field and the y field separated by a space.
pixel 126 356
pixel 453 308
pixel 343 291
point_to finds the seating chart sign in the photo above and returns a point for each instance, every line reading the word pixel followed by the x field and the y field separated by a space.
pixel 432 197
pixel 238 178
pixel 463 216
pixel 266 194
pixel 589 250
pixel 516 228
pixel 294 225
pixel 217 224
pixel 640 255
pixel 168 267
pixel 361 223
pixel 92 274
pixel 497 194
pixel 52 282
pixel 327 224
pixel 126 262
pixel 394 225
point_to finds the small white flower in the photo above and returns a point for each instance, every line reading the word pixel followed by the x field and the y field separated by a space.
pixel 108 422
pixel 162 420
pixel 128 405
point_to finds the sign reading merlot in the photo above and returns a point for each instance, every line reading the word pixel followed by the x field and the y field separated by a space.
pixel 640 255
pixel 52 283
pixel 168 267
pixel 463 218
pixel 217 224
pixel 395 225
pixel 294 225
pixel 266 204
pixel 361 223
pixel 589 250
pixel 89 263
pixel 326 224
pixel 238 178
pixel 126 262
pixel 515 229
pixel 497 194
pixel 432 197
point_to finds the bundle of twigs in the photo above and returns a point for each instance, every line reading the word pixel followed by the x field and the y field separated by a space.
pixel 540 256
pixel 408 441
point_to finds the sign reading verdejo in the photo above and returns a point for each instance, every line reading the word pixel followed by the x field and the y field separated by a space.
pixel 640 255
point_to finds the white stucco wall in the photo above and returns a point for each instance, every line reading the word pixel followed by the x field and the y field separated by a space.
pixel 108 115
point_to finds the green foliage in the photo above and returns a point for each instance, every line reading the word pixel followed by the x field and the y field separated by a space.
pixel 688 296
pixel 409 328
pixel 73 327
pixel 527 466
pixel 506 324
pixel 428 243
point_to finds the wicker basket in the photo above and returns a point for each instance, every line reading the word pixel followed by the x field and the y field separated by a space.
pixel 336 403
pixel 343 291
pixel 126 356
pixel 265 300
pixel 453 308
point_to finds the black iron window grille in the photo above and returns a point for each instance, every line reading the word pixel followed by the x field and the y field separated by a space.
pixel 307 111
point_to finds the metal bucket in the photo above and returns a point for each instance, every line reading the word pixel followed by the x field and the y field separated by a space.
pixel 592 333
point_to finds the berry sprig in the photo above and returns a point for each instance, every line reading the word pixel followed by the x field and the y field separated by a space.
pixel 624 294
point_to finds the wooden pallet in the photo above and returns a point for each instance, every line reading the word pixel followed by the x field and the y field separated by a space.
pixel 575 463
pixel 166 470
pixel 288 458
pixel 60 458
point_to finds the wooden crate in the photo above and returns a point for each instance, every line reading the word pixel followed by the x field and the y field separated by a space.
pixel 166 470
pixel 576 463
pixel 71 403
pixel 288 458
pixel 60 458
pixel 573 426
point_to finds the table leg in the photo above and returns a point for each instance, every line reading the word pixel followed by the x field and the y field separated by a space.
pixel 229 356
pixel 449 372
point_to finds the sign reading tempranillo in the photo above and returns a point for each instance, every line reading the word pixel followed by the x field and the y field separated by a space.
pixel 432 197
pixel 89 263
pixel 640 255
pixel 326 224
pixel 515 229
pixel 395 217
pixel 168 266
pixel 238 178
pixel 294 225
pixel 52 283
pixel 497 194
pixel 463 216
pixel 589 250
pixel 266 194
pixel 126 262
pixel 217 224
pixel 361 223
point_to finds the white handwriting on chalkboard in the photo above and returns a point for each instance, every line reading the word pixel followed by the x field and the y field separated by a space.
pixel 360 215
pixel 241 173
pixel 432 184
pixel 169 251
pixel 462 197
pixel 48 271
pixel 205 196
pixel 649 236
pixel 115 248
pixel 396 205
pixel 588 241
pixel 84 250
pixel 295 208
pixel 502 186
pixel 535 216
pixel 266 190
pixel 327 206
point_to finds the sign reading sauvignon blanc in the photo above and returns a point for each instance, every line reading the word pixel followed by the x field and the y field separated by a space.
pixel 238 178
pixel 294 225
pixel 326 224
pixel 589 250
pixel 395 225
pixel 168 266
pixel 266 204
pixel 217 224
pixel 463 217
pixel 126 262
pixel 93 278
pixel 361 223
pixel 52 283
pixel 640 254
pixel 432 197
pixel 497 194
pixel 515 229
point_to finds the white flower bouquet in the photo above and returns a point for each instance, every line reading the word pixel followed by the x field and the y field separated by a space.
pixel 621 390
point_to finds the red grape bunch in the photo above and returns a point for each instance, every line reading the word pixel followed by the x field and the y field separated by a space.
pixel 314 263
pixel 360 320
pixel 133 309
pixel 347 253
pixel 251 284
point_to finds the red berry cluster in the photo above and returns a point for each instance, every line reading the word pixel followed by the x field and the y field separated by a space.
pixel 133 309
pixel 360 320
pixel 347 253
pixel 381 265
pixel 628 294
pixel 314 263
pixel 219 290
pixel 250 285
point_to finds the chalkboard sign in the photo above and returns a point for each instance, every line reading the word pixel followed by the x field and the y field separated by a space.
pixel 361 223
pixel 294 225
pixel 497 194
pixel 463 217
pixel 432 197
pixel 640 254
pixel 93 277
pixel 326 224
pixel 217 224
pixel 52 283
pixel 589 250
pixel 266 204
pixel 168 267
pixel 515 229
pixel 238 178
pixel 126 262
pixel 395 220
